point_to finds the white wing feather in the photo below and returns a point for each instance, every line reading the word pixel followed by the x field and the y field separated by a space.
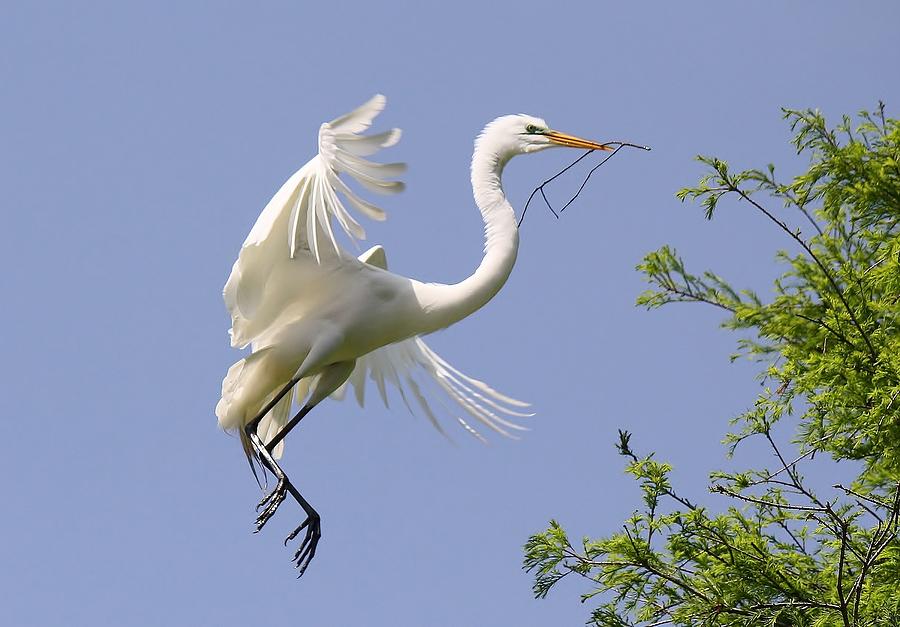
pixel 339 146
pixel 403 362
pixel 299 218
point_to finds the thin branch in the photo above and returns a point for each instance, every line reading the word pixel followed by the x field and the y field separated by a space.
pixel 818 261
pixel 822 324
pixel 870 499
pixel 540 188
pixel 673 580
pixel 796 480
pixel 691 297
pixel 607 158
pixel 840 577
pixel 798 604
pixel 774 504
pixel 793 463
pixel 801 546
pixel 785 191
pixel 810 218
pixel 856 588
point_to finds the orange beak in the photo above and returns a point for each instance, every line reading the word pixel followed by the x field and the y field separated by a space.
pixel 570 141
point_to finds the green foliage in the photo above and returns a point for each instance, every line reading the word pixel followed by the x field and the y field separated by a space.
pixel 780 552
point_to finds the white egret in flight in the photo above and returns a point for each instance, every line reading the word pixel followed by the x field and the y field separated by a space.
pixel 318 318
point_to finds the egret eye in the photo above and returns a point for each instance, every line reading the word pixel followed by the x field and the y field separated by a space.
pixel 531 128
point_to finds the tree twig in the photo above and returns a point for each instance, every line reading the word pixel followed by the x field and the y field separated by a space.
pixel 540 188
pixel 815 258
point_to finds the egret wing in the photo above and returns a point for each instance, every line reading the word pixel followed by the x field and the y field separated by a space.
pixel 300 221
pixel 415 371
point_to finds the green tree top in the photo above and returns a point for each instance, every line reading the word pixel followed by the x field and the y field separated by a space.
pixel 782 552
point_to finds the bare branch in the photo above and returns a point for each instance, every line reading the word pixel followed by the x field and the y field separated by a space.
pixel 540 188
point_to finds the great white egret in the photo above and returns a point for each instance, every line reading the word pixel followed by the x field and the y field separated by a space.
pixel 318 317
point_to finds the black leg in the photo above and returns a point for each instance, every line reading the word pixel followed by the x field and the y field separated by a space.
pixel 273 500
pixel 251 426
pixel 287 428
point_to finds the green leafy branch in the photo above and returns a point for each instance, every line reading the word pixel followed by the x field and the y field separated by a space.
pixel 780 553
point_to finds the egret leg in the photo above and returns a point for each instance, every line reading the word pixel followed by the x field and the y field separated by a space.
pixel 283 487
pixel 287 428
pixel 251 426
pixel 273 499
pixel 329 380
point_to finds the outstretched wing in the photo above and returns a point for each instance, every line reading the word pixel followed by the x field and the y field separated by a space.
pixel 310 196
pixel 299 221
pixel 415 370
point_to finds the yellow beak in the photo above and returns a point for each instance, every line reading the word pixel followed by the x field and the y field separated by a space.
pixel 564 139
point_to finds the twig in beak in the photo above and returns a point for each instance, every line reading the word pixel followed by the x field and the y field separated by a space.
pixel 540 188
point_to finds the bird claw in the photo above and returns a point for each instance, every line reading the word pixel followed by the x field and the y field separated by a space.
pixel 307 550
pixel 266 498
pixel 271 502
pixel 312 525
pixel 294 533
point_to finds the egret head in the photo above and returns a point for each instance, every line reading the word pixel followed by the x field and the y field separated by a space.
pixel 521 134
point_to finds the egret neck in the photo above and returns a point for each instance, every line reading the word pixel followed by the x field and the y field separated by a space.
pixel 444 305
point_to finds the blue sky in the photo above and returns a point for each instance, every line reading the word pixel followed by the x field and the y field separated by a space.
pixel 138 142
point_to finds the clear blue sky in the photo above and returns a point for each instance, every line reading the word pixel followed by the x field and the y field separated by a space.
pixel 139 142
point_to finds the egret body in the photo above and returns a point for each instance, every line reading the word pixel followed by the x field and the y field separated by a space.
pixel 318 318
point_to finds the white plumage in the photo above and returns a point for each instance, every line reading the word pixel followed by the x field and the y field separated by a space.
pixel 319 319
pixel 401 362
pixel 292 251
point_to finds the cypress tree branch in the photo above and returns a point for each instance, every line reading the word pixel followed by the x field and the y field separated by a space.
pixel 837 290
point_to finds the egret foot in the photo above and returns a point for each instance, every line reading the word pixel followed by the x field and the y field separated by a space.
pixel 271 502
pixel 307 550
